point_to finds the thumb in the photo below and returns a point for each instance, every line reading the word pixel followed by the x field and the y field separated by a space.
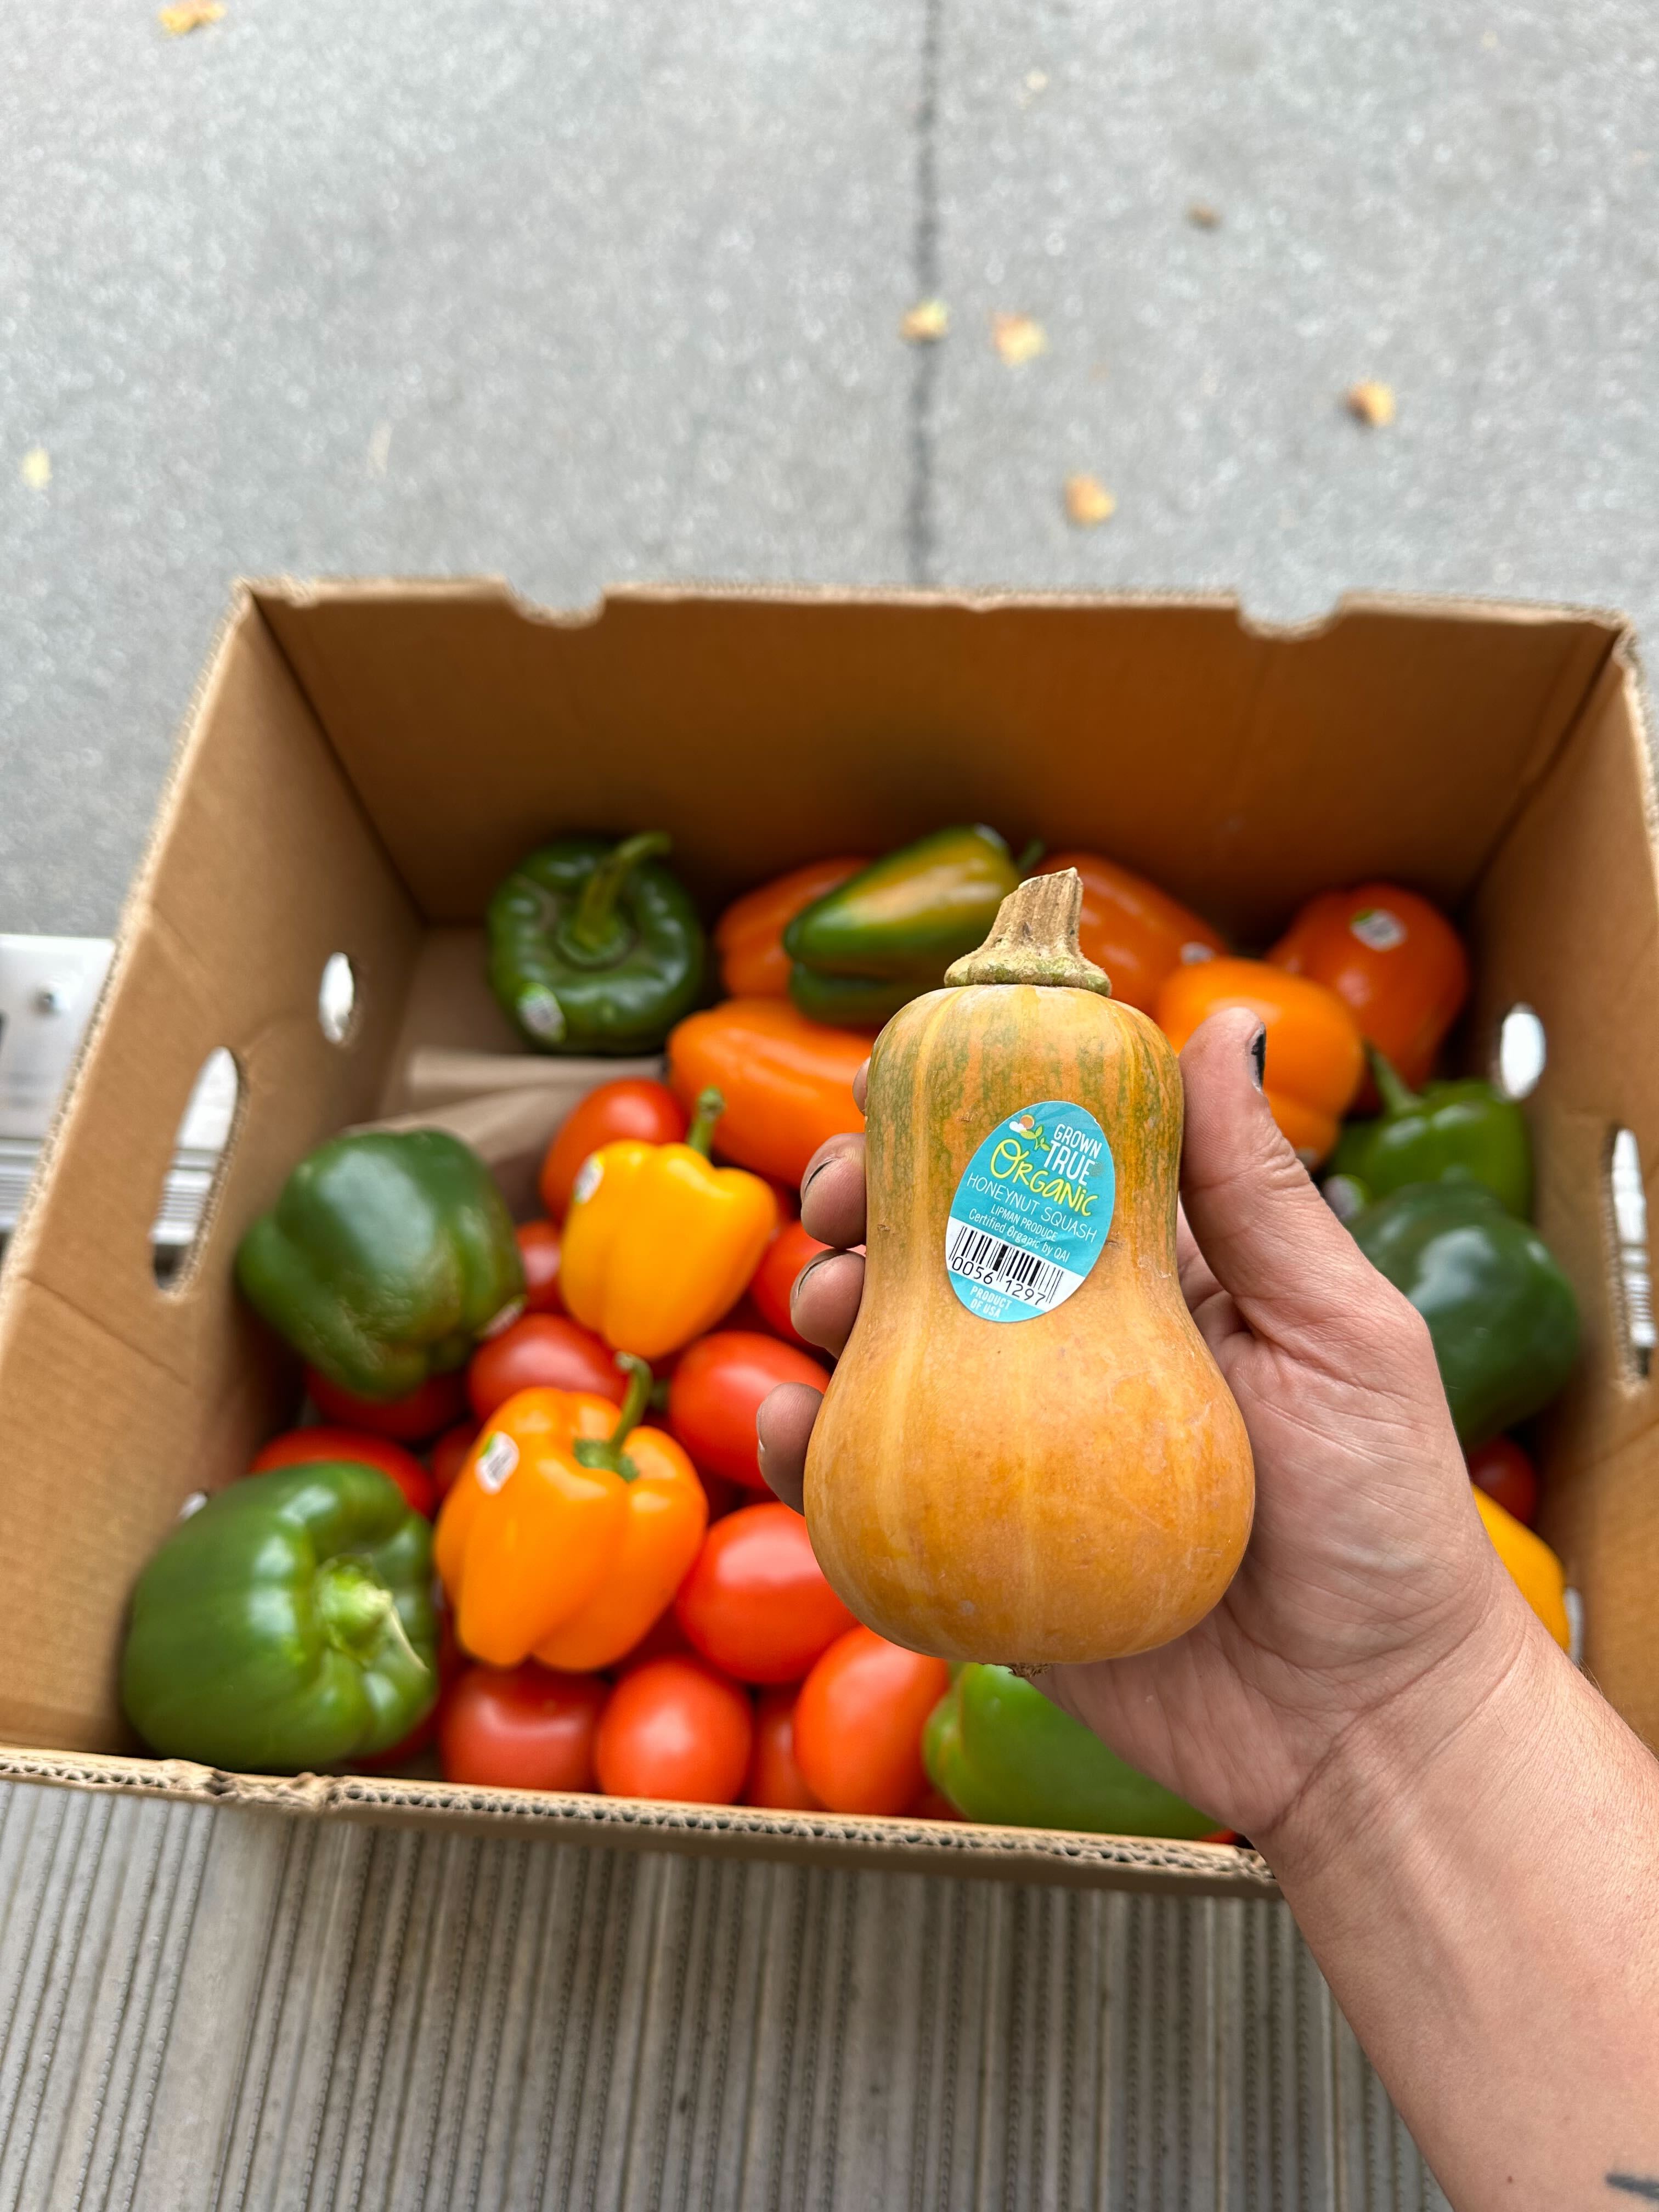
pixel 1268 1237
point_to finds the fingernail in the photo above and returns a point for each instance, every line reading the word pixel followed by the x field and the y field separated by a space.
pixel 1259 1057
pixel 794 1288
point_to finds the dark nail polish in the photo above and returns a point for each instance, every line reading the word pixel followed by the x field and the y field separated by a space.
pixel 1259 1057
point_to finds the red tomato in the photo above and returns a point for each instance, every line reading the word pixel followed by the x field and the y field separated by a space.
pixel 716 1392
pixel 539 1245
pixel 634 1108
pixel 441 1399
pixel 678 1729
pixel 756 1601
pixel 298 1447
pixel 774 1778
pixel 448 1456
pixel 521 1728
pixel 1503 1471
pixel 789 1251
pixel 542 1351
pixel 859 1720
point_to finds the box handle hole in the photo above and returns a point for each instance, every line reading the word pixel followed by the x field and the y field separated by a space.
pixel 193 1175
pixel 1632 1274
pixel 337 998
pixel 1523 1051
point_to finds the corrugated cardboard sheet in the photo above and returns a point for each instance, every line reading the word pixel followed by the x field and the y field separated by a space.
pixel 227 2008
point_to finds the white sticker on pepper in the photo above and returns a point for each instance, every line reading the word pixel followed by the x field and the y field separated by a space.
pixel 495 1462
pixel 541 1013
pixel 1377 926
pixel 589 1176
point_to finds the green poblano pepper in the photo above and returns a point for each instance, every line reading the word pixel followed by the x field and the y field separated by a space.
pixel 287 1625
pixel 385 1259
pixel 1001 1752
pixel 595 947
pixel 888 933
pixel 1461 1131
pixel 1502 1315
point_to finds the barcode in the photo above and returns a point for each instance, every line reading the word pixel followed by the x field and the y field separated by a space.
pixel 1019 1274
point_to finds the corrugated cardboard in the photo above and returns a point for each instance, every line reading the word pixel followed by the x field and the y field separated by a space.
pixel 281 2015
pixel 363 763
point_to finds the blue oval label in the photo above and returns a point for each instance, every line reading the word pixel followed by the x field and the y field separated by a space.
pixel 1031 1213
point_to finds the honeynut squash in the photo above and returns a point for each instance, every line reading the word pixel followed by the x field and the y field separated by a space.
pixel 1026 1453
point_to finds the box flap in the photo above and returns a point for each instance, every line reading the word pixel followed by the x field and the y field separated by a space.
pixel 763 729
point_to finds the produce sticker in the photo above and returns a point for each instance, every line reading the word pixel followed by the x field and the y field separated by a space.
pixel 1031 1213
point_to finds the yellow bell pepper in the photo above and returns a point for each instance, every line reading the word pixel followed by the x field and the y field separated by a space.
pixel 1538 1573
pixel 658 1242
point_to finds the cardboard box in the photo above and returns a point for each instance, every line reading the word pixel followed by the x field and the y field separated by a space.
pixel 364 762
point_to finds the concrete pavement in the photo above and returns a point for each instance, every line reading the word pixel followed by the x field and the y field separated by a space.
pixel 606 293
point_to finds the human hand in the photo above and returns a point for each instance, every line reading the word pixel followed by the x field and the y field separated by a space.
pixel 1368 1573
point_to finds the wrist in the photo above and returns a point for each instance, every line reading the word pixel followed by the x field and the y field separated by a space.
pixel 1460 1732
pixel 1476 1867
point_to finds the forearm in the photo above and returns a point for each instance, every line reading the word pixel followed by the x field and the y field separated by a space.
pixel 1478 1874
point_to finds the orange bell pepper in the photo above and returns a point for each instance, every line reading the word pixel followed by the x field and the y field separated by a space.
pixel 658 1242
pixel 558 1543
pixel 787 1082
pixel 1136 931
pixel 1315 1056
pixel 749 935
pixel 1395 959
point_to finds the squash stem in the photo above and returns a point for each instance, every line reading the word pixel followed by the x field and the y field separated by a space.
pixel 1034 939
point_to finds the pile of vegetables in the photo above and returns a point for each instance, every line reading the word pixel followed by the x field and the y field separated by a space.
pixel 522 1526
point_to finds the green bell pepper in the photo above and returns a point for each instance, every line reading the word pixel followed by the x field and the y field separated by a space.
pixel 595 947
pixel 1502 1315
pixel 887 935
pixel 1460 1131
pixel 385 1259
pixel 1001 1752
pixel 288 1623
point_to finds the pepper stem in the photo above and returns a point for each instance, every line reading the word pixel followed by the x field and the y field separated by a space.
pixel 639 1382
pixel 399 1634
pixel 1397 1095
pixel 357 1610
pixel 1034 939
pixel 607 1452
pixel 711 1104
pixel 1030 857
pixel 592 927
